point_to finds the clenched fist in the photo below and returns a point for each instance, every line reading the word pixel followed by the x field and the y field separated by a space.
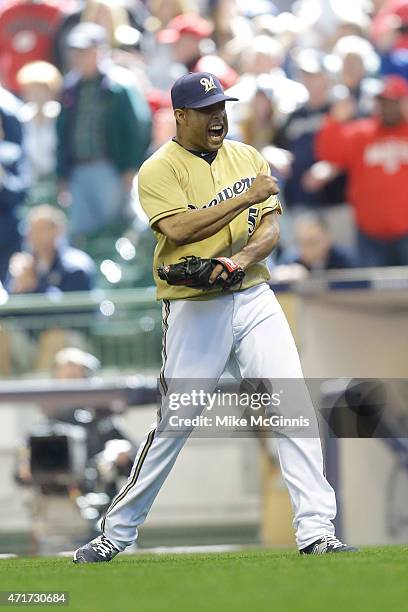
pixel 262 188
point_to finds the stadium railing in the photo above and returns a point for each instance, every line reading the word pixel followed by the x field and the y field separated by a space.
pixel 121 327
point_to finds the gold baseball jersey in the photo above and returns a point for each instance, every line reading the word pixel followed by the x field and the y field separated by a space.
pixel 173 180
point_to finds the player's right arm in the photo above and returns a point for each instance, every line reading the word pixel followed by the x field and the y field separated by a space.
pixel 194 225
pixel 164 202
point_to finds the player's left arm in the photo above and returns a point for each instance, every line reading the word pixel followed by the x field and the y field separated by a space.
pixel 259 246
pixel 261 243
pixel 266 236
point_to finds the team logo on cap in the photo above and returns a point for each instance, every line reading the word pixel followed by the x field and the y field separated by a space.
pixel 208 84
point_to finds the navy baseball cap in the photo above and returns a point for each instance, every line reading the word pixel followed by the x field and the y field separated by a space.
pixel 198 90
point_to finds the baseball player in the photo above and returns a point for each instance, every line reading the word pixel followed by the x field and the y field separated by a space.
pixel 213 207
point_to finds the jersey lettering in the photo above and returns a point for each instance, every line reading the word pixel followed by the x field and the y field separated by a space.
pixel 238 187
pixel 253 214
pixel 227 193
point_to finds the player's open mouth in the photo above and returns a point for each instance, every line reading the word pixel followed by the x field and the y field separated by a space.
pixel 216 132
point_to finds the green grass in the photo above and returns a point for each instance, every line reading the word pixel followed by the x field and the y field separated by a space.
pixel 373 580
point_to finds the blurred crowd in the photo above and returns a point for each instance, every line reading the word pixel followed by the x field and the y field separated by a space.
pixel 84 100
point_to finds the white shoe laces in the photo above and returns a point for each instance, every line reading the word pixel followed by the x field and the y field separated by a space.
pixel 103 546
pixel 334 542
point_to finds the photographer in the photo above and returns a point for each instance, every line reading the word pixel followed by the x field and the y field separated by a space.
pixel 74 461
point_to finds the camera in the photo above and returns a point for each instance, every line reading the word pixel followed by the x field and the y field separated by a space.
pixel 58 454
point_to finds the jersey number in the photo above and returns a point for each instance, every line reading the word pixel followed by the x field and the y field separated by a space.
pixel 253 214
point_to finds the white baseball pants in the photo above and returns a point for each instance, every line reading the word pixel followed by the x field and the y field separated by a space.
pixel 198 337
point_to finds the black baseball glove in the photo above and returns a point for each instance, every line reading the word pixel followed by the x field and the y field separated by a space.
pixel 195 272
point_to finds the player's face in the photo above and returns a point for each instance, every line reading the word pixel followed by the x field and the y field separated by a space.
pixel 203 129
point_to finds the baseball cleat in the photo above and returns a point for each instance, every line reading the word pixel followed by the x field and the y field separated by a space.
pixel 327 544
pixel 96 551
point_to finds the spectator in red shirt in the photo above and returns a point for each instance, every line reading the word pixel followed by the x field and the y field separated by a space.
pixel 374 152
pixel 27 30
